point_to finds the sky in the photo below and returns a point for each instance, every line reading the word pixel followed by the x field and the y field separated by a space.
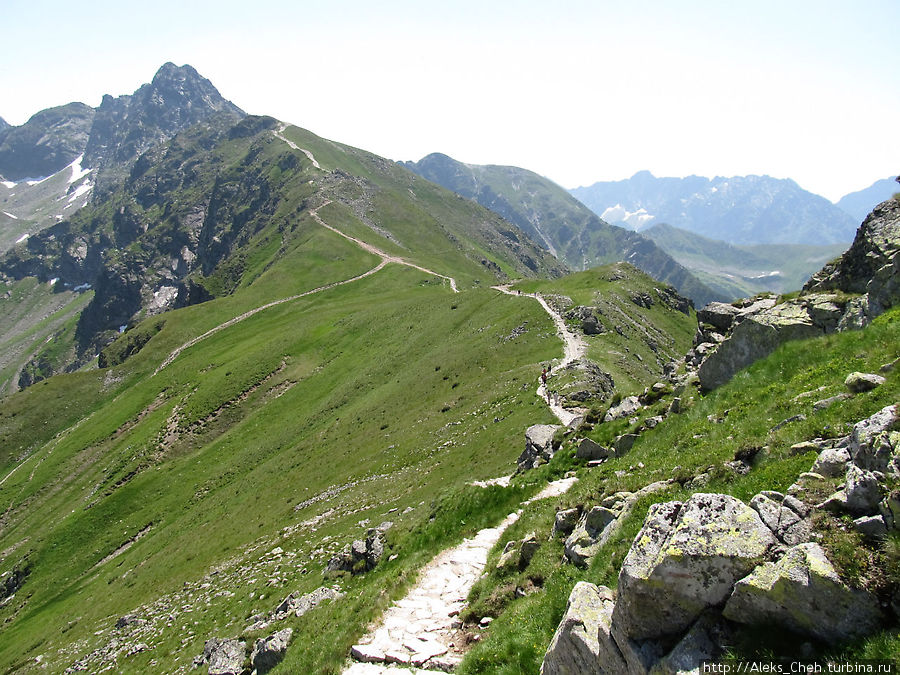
pixel 576 91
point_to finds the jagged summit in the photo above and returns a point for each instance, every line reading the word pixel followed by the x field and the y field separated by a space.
pixel 178 97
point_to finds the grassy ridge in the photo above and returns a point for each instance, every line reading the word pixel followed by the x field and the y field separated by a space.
pixel 245 426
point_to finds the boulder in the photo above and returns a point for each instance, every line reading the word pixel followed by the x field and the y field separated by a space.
pixel 803 592
pixel 719 315
pixel 624 443
pixel 582 644
pixel 871 527
pixel 862 491
pixel 786 516
pixel 872 445
pixel 519 553
pixel 225 657
pixel 565 521
pixel 361 556
pixel 757 336
pixel 268 652
pixel 627 406
pixel 889 508
pixel 303 604
pixel 538 446
pixel 686 559
pixel 832 462
pixel 588 449
pixel 858 382
pixel 584 380
pixel 588 536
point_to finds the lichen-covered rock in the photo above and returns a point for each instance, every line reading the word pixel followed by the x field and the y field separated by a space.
pixel 862 491
pixel 588 449
pixel 719 315
pixel 686 559
pixel 875 246
pixel 360 556
pixel 584 380
pixel 565 521
pixel 803 592
pixel 872 446
pixel 786 516
pixel 538 446
pixel 587 537
pixel 858 382
pixel 627 406
pixel 756 337
pixel 832 462
pixel 268 653
pixel 225 657
pixel 582 644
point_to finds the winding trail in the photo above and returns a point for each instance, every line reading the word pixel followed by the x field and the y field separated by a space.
pixel 574 348
pixel 422 629
pixel 385 259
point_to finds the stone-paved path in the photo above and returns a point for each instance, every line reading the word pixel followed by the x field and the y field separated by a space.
pixel 422 628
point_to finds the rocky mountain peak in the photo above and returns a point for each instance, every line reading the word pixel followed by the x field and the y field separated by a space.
pixel 176 98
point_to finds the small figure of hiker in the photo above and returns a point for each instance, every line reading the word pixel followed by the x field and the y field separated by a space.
pixel 544 377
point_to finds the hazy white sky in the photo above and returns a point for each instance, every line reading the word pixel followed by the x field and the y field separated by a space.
pixel 576 91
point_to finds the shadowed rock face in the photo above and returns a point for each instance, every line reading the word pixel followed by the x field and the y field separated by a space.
pixel 870 270
pixel 46 143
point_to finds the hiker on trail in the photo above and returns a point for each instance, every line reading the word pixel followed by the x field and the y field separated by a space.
pixel 544 377
pixel 549 367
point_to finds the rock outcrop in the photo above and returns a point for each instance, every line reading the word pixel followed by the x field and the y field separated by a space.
pixel 268 652
pixel 360 556
pixel 538 446
pixel 685 560
pixel 846 294
pixel 803 592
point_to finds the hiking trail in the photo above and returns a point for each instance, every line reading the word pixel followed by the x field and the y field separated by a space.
pixel 385 259
pixel 422 629
pixel 574 348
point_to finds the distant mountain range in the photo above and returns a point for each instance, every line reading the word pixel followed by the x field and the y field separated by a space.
pixel 737 210
pixel 858 204
pixel 558 222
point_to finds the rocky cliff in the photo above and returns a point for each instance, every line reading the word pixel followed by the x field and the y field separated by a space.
pixel 847 293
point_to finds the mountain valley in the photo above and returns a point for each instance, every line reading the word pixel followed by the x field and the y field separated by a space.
pixel 255 381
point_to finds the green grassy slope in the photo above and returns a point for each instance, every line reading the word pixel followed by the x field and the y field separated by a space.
pixel 219 205
pixel 637 341
pixel 713 429
pixel 391 390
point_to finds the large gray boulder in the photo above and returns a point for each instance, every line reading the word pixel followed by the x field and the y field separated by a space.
pixel 627 406
pixel 538 446
pixel 225 656
pixel 832 462
pixel 686 559
pixel 703 642
pixel 582 644
pixel 756 337
pixel 872 444
pixel 268 652
pixel 803 592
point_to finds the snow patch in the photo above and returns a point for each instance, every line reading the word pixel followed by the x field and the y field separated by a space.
pixel 53 281
pixel 636 220
pixel 77 170
pixel 7 213
pixel 84 188
pixel 8 184
pixel 765 275
pixel 22 238
pixel 82 287
pixel 36 181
